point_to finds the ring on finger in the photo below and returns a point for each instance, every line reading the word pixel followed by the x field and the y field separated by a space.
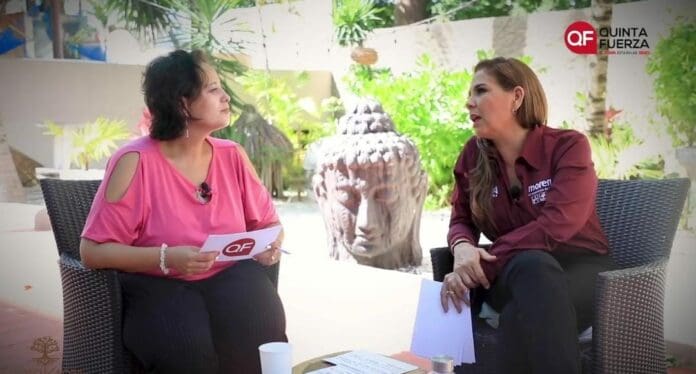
pixel 450 292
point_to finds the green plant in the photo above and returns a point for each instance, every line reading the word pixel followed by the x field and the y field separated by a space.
pixel 437 123
pixel 621 155
pixel 298 118
pixel 85 34
pixel 92 142
pixel 146 18
pixel 277 100
pixel 353 20
pixel 101 11
pixel 673 64
pixel 618 157
pixel 190 25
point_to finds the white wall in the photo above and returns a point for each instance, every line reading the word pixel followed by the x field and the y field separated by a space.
pixel 73 92
pixel 64 91
pixel 298 34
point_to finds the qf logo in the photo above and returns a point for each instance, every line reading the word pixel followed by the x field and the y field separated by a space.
pixel 581 38
pixel 241 247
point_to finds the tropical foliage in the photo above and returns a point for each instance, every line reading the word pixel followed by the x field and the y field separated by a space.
pixel 299 118
pixel 277 101
pixel 437 122
pixel 146 18
pixel 622 155
pixel 92 142
pixel 673 64
pixel 353 20
pixel 192 22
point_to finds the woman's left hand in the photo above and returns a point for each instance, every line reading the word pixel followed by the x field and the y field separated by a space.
pixel 272 255
pixel 269 257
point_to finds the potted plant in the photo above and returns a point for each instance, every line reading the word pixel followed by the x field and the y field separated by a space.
pixel 672 65
pixel 353 20
pixel 88 144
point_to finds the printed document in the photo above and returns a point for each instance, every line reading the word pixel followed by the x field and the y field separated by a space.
pixel 364 362
pixel 241 246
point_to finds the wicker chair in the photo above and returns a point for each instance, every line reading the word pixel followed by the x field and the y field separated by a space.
pixel 92 304
pixel 640 219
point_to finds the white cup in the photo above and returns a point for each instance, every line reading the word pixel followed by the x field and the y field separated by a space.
pixel 276 358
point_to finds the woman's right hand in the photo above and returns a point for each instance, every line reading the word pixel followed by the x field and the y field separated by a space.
pixel 467 274
pixel 467 264
pixel 189 260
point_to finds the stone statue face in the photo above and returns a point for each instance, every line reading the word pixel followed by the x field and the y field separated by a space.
pixel 370 187
pixel 374 209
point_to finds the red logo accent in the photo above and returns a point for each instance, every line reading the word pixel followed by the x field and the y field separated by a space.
pixel 581 38
pixel 241 247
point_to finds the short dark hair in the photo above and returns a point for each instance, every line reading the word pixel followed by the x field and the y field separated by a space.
pixel 166 81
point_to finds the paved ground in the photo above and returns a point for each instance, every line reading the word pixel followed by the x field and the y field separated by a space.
pixel 306 236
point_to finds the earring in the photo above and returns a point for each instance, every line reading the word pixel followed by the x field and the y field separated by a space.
pixel 187 132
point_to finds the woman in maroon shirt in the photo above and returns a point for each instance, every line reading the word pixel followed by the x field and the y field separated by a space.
pixel 531 190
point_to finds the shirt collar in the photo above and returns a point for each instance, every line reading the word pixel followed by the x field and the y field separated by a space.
pixel 532 149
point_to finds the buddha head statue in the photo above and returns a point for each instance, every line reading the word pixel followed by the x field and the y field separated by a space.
pixel 370 187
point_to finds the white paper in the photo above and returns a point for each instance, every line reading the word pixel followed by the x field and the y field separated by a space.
pixel 334 370
pixel 241 246
pixel 439 333
pixel 364 362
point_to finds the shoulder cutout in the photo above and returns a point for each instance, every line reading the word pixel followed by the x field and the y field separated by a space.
pixel 121 176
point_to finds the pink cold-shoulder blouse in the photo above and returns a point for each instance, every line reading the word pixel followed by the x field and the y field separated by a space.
pixel 162 206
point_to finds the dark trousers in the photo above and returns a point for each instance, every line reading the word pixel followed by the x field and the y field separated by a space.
pixel 210 326
pixel 545 299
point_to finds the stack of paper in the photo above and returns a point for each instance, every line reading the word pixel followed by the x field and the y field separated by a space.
pixel 439 333
pixel 364 362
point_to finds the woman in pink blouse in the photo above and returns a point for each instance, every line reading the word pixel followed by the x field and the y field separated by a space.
pixel 161 197
pixel 531 190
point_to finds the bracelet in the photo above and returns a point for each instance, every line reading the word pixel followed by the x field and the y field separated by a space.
pixel 162 262
pixel 458 241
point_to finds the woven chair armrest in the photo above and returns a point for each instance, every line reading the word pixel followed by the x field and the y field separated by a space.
pixel 628 335
pixel 442 262
pixel 91 318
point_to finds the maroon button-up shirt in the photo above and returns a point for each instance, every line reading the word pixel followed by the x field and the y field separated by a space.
pixel 556 205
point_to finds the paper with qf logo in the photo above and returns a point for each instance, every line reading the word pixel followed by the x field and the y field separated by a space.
pixel 241 246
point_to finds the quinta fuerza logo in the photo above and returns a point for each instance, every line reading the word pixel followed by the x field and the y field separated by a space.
pixel 582 38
